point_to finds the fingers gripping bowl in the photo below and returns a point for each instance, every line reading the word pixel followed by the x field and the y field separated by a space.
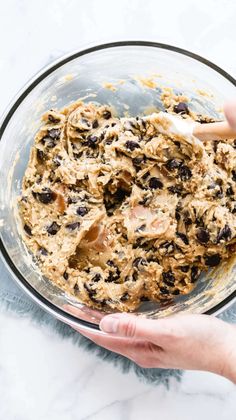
pixel 129 77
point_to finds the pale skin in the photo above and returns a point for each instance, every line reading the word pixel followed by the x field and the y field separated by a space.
pixel 196 342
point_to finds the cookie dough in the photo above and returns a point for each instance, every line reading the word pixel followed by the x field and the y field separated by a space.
pixel 119 211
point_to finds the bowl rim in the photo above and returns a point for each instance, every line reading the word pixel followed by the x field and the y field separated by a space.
pixel 12 107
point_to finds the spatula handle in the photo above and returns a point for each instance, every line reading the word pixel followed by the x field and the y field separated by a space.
pixel 214 131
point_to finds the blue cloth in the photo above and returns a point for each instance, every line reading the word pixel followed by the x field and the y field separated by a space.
pixel 15 300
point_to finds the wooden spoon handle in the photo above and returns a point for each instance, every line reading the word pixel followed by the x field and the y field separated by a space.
pixel 214 131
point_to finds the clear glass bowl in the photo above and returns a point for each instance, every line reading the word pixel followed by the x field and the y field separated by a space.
pixel 129 67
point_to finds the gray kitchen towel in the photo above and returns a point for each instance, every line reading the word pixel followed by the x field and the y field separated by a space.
pixel 15 300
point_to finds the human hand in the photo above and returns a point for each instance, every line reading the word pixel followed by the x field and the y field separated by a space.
pixel 197 342
pixel 230 113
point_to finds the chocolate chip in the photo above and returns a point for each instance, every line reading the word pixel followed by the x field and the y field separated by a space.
pixel 54 133
pixel 234 208
pixel 168 278
pixel 188 221
pixel 194 273
pixel 177 213
pixel 205 120
pixel 175 292
pixel 47 196
pixel 114 275
pixel 73 226
pixel 229 191
pixel 120 194
pixel 184 173
pixel 92 141
pixel 224 234
pixel 168 247
pixel 184 268
pixel 199 222
pixel 164 291
pixel 106 115
pixel 143 122
pixel 113 124
pixel 177 143
pixel 219 192
pixel 141 228
pixel 125 297
pixel 135 276
pixel 181 108
pixel 212 186
pixel 57 160
pixel 27 229
pixel 109 141
pixel 155 183
pixel 43 251
pixel 138 262
pixel 138 160
pixel 145 201
pixel 96 278
pixel 212 260
pixel 144 299
pixel 40 155
pixel 72 200
pixel 91 292
pixel 215 145
pixel 53 228
pixel 76 288
pixel 183 237
pixel 82 211
pixel 52 119
pixel 132 145
pixel 110 263
pixel 146 175
pixel 173 164
pixel 65 275
pixel 95 124
pixel 77 155
pixel 176 189
pixel 85 124
pixel 203 235
pixel 48 142
pixel 234 176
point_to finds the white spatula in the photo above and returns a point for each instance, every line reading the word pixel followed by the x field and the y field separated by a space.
pixel 177 125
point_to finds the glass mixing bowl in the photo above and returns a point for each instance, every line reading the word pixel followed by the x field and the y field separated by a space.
pixel 129 76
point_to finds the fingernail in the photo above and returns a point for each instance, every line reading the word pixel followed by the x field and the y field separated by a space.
pixel 109 324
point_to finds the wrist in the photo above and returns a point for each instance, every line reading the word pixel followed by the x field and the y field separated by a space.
pixel 227 365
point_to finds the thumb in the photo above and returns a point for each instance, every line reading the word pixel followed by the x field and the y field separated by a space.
pixel 132 326
pixel 230 113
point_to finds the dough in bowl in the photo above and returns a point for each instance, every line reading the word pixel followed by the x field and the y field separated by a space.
pixel 121 210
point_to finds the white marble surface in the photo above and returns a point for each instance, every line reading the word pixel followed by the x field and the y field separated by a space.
pixel 41 376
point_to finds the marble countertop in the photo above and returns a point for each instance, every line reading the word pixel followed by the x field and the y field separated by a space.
pixel 41 375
